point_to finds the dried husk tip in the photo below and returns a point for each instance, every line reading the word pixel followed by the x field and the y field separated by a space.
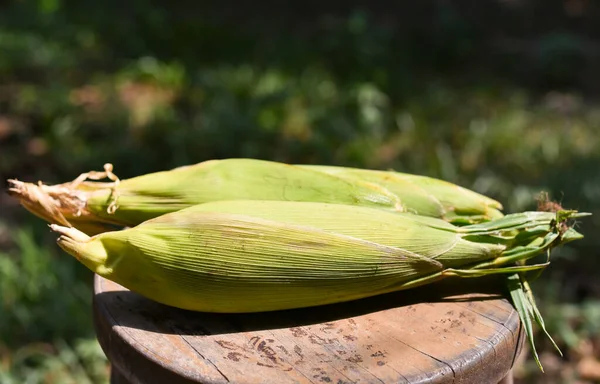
pixel 66 204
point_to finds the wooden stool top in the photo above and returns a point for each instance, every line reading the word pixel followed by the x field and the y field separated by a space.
pixel 418 335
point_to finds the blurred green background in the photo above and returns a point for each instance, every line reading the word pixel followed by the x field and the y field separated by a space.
pixel 498 96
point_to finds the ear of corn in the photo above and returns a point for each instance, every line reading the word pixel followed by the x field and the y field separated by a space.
pixel 144 197
pixel 133 201
pixel 239 256
pixel 425 195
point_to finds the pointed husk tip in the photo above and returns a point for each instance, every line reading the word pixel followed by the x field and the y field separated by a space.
pixel 81 246
pixel 70 232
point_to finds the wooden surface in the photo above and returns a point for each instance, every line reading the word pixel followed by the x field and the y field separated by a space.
pixel 417 335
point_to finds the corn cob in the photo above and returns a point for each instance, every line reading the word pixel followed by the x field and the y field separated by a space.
pixel 93 206
pixel 247 256
pixel 425 195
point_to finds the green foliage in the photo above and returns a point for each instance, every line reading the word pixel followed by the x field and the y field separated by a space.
pixel 59 362
pixel 427 89
pixel 30 293
pixel 46 322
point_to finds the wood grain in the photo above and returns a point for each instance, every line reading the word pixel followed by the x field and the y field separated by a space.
pixel 441 333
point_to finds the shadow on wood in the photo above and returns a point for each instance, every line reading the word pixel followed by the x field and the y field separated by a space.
pixel 461 329
pixel 174 320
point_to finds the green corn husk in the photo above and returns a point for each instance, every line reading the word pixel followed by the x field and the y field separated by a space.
pixel 425 195
pixel 526 307
pixel 94 207
pixel 248 256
